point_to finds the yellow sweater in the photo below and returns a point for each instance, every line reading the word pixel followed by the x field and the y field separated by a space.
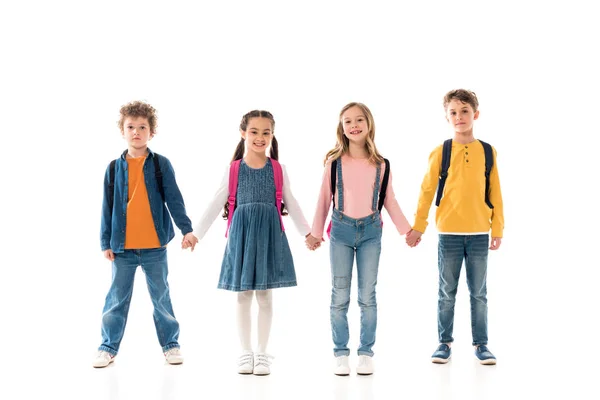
pixel 462 209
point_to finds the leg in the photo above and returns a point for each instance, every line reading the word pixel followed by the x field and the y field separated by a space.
pixel 154 264
pixel 116 306
pixel 367 266
pixel 342 259
pixel 264 298
pixel 476 267
pixel 244 304
pixel 450 258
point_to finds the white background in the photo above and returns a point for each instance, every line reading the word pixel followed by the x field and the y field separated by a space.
pixel 66 69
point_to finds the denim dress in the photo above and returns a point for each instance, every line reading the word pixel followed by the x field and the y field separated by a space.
pixel 257 255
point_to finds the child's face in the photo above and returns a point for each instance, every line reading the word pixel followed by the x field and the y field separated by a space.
pixel 258 134
pixel 461 116
pixel 136 132
pixel 354 123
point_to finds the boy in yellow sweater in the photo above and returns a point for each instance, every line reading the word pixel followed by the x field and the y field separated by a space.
pixel 469 204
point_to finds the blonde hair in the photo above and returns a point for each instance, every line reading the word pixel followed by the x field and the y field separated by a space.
pixel 342 145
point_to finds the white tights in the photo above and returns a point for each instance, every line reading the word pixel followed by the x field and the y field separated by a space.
pixel 264 298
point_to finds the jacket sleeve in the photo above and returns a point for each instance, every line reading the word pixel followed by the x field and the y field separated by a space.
pixel 106 220
pixel 173 197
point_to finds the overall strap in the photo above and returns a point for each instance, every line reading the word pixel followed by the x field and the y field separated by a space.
pixel 340 186
pixel 489 163
pixel 376 188
pixel 234 170
pixel 278 176
pixel 446 153
pixel 384 184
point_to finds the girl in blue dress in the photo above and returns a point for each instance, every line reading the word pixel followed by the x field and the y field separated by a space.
pixel 257 256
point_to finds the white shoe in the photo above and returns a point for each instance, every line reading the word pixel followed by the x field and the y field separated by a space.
pixel 342 366
pixel 365 365
pixel 103 358
pixel 174 356
pixel 246 363
pixel 262 364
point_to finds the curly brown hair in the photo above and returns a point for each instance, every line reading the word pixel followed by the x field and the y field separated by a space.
pixel 464 95
pixel 138 109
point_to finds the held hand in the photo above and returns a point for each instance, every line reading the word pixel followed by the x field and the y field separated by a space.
pixel 312 243
pixel 413 238
pixel 189 240
pixel 109 255
pixel 495 244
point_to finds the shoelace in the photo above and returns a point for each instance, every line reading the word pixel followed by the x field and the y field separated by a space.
pixel 174 352
pixel 105 354
pixel 263 359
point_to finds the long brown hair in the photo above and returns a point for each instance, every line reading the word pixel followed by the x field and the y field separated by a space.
pixel 239 150
pixel 342 145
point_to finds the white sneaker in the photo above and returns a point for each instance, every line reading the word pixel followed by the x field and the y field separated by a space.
pixel 246 363
pixel 342 366
pixel 174 356
pixel 365 365
pixel 103 358
pixel 262 364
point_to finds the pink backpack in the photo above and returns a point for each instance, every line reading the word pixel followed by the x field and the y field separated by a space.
pixel 234 170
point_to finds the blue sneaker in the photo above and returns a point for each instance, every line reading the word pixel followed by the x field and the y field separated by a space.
pixel 442 354
pixel 484 355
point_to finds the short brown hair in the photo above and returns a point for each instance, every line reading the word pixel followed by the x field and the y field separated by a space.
pixel 464 95
pixel 138 109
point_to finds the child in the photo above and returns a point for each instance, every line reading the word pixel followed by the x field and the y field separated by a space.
pixel 355 228
pixel 257 255
pixel 135 230
pixel 465 214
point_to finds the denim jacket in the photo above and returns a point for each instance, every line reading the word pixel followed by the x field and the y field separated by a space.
pixel 112 229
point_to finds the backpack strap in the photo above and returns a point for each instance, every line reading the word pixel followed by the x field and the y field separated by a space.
pixel 159 176
pixel 489 163
pixel 333 177
pixel 278 175
pixel 234 170
pixel 384 184
pixel 446 153
pixel 111 184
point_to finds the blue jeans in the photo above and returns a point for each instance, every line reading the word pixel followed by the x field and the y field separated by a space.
pixel 116 307
pixel 363 237
pixel 452 250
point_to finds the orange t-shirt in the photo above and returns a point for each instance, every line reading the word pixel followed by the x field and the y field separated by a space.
pixel 140 232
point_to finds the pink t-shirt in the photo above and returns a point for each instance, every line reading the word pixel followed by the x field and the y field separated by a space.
pixel 358 176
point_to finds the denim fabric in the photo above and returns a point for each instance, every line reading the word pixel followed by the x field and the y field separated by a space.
pixel 452 250
pixel 350 237
pixel 116 307
pixel 112 230
pixel 257 255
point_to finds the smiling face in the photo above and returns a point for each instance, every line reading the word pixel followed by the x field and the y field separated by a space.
pixel 461 116
pixel 258 134
pixel 355 125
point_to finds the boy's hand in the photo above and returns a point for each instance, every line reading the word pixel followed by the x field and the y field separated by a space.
pixel 109 255
pixel 413 238
pixel 495 245
pixel 312 243
pixel 189 240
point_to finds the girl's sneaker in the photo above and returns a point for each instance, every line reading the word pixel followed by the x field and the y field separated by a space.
pixel 174 356
pixel 365 365
pixel 103 358
pixel 246 363
pixel 262 364
pixel 342 366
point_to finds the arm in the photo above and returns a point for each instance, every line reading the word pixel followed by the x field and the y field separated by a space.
pixel 393 208
pixel 323 204
pixel 106 222
pixel 215 207
pixel 293 207
pixel 428 190
pixel 496 199
pixel 173 197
